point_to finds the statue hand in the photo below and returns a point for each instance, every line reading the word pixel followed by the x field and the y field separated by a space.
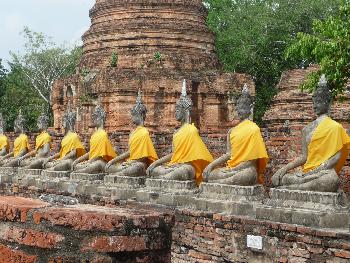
pixel 149 170
pixel 73 165
pixel 277 177
pixel 108 165
pixel 206 173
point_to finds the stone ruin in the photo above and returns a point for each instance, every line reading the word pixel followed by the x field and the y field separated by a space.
pixel 158 44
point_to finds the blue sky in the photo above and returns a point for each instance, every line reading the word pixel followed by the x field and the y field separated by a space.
pixel 64 20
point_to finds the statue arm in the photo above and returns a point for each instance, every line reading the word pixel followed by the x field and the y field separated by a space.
pixel 24 155
pixel 159 162
pixel 223 159
pixel 117 159
pixel 9 155
pixel 3 151
pixel 44 151
pixel 80 159
pixel 71 155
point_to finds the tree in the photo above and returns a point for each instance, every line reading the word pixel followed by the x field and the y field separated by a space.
pixel 18 94
pixel 252 36
pixel 43 62
pixel 2 78
pixel 329 46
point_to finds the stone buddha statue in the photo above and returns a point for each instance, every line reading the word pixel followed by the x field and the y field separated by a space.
pixel 141 151
pixel 189 154
pixel 101 150
pixel 71 146
pixel 20 145
pixel 325 146
pixel 36 158
pixel 4 144
pixel 246 155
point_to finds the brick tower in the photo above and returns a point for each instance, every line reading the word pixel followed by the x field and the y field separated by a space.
pixel 158 44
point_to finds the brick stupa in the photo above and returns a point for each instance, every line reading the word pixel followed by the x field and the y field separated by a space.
pixel 158 43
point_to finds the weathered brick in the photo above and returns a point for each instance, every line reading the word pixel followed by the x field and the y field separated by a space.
pixel 30 237
pixel 115 244
pixel 17 208
pixel 8 255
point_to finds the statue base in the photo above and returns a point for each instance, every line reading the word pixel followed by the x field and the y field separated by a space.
pixel 55 174
pixel 7 174
pixel 230 199
pixel 314 209
pixel 124 187
pixel 167 192
pixel 87 177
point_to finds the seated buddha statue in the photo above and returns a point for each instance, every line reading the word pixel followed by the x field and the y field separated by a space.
pixel 4 144
pixel 141 151
pixel 101 150
pixel 36 158
pixel 71 146
pixel 246 155
pixel 189 155
pixel 325 147
pixel 20 145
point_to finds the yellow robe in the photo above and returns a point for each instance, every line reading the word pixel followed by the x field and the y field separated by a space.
pixel 329 138
pixel 247 144
pixel 4 143
pixel 100 146
pixel 71 142
pixel 21 143
pixel 42 139
pixel 141 146
pixel 189 148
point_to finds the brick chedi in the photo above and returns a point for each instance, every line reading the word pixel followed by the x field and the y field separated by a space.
pixel 290 111
pixel 158 44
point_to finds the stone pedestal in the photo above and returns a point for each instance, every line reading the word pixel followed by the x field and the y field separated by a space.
pixel 124 187
pixel 231 199
pixel 315 209
pixel 7 174
pixel 55 174
pixel 168 192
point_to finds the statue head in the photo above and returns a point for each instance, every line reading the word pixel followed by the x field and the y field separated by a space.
pixel 322 97
pixel 99 115
pixel 244 104
pixel 43 121
pixel 2 124
pixel 139 111
pixel 20 123
pixel 183 106
pixel 69 118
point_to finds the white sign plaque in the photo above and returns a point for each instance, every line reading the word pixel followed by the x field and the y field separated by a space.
pixel 254 242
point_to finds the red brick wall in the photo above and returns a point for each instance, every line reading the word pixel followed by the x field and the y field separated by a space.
pixel 33 231
pixel 205 237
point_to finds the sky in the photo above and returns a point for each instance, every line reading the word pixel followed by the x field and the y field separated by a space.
pixel 64 20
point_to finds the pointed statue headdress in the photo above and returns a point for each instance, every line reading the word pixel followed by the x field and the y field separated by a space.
pixel 184 102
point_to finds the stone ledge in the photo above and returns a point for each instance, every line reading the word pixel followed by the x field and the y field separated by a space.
pixel 231 192
pixel 304 217
pixel 171 185
pixel 10 171
pixel 125 181
pixel 55 174
pixel 27 172
pixel 305 200
pixel 87 177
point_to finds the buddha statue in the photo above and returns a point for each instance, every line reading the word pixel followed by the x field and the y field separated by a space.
pixel 141 151
pixel 246 155
pixel 71 146
pixel 101 150
pixel 36 158
pixel 325 146
pixel 20 145
pixel 189 154
pixel 4 144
